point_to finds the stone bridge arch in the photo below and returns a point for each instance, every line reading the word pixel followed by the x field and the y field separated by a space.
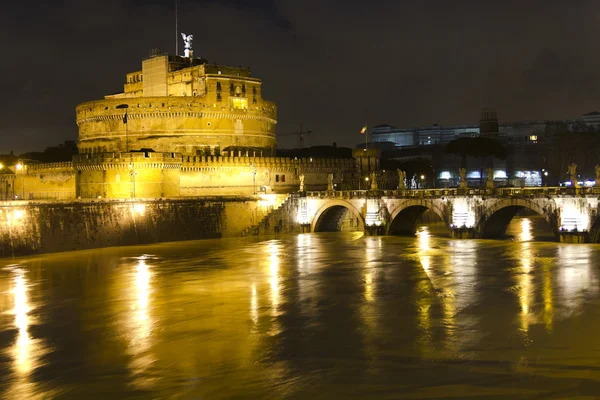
pixel 495 218
pixel 330 215
pixel 405 213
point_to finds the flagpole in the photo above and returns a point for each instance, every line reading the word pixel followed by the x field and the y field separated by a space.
pixel 176 31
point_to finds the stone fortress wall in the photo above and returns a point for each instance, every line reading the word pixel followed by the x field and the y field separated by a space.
pixel 168 175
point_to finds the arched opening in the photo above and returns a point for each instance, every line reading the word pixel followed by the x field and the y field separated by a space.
pixel 407 220
pixel 338 218
pixel 520 222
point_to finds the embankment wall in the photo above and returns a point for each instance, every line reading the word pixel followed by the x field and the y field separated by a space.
pixel 28 227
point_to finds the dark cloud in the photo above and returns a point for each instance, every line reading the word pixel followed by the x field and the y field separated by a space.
pixel 331 65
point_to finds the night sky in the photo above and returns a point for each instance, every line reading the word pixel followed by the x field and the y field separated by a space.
pixel 329 64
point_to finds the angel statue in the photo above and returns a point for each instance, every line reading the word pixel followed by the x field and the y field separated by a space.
pixel 301 183
pixel 330 182
pixel 187 41
pixel 598 175
pixel 463 178
pixel 573 175
pixel 401 180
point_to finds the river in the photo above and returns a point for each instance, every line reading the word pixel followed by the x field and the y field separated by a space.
pixel 313 316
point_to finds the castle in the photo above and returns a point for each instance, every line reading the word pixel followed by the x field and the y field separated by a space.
pixel 181 127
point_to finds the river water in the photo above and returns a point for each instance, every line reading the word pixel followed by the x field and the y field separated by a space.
pixel 314 316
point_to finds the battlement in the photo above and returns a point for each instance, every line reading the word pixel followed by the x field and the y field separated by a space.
pixel 268 162
pixel 49 167
pixel 132 160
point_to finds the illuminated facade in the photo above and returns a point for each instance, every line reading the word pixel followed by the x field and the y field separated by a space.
pixel 181 105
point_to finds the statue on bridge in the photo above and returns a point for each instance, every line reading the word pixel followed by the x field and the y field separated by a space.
pixel 301 183
pixel 573 175
pixel 463 178
pixel 597 175
pixel 401 180
pixel 490 178
pixel 374 181
pixel 330 182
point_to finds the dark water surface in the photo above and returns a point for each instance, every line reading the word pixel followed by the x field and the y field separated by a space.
pixel 314 316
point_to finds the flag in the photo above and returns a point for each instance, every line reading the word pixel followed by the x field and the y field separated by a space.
pixel 363 130
pixel 125 118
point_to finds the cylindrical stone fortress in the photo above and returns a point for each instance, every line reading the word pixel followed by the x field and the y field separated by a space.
pixel 181 105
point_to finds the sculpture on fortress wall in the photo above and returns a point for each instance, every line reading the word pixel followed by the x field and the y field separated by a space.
pixel 463 178
pixel 490 178
pixel 330 182
pixel 573 175
pixel 598 175
pixel 401 180
pixel 301 183
pixel 374 181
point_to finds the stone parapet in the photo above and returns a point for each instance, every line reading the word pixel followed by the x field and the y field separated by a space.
pixel 337 164
pixel 136 160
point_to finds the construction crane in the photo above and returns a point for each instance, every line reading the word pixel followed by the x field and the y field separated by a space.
pixel 300 135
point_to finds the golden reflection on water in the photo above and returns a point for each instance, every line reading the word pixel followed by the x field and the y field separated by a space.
pixel 524 283
pixel 424 287
pixel 548 298
pixel 575 278
pixel 27 351
pixel 254 304
pixel 273 251
pixel 140 323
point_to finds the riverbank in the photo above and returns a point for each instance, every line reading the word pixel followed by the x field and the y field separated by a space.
pixel 29 227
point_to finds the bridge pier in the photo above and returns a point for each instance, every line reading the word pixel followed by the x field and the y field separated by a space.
pixel 375 230
pixel 463 233
pixel 573 237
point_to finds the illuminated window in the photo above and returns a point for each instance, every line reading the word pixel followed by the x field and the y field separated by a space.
pixel 239 103
pixel 533 138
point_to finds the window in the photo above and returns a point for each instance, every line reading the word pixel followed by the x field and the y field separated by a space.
pixel 276 178
pixel 219 98
pixel 282 178
pixel 238 103
pixel 218 86
pixel 231 89
pixel 244 89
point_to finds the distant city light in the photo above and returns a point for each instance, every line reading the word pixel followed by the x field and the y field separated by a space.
pixel 445 175
pixel 500 174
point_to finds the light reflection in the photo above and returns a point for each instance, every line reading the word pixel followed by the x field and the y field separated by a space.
pixel 254 305
pixel 575 278
pixel 27 351
pixel 140 324
pixel 23 363
pixel 425 289
pixel 526 230
pixel 460 294
pixel 548 299
pixel 274 277
pixel 525 285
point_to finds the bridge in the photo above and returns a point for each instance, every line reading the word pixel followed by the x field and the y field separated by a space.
pixel 467 213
